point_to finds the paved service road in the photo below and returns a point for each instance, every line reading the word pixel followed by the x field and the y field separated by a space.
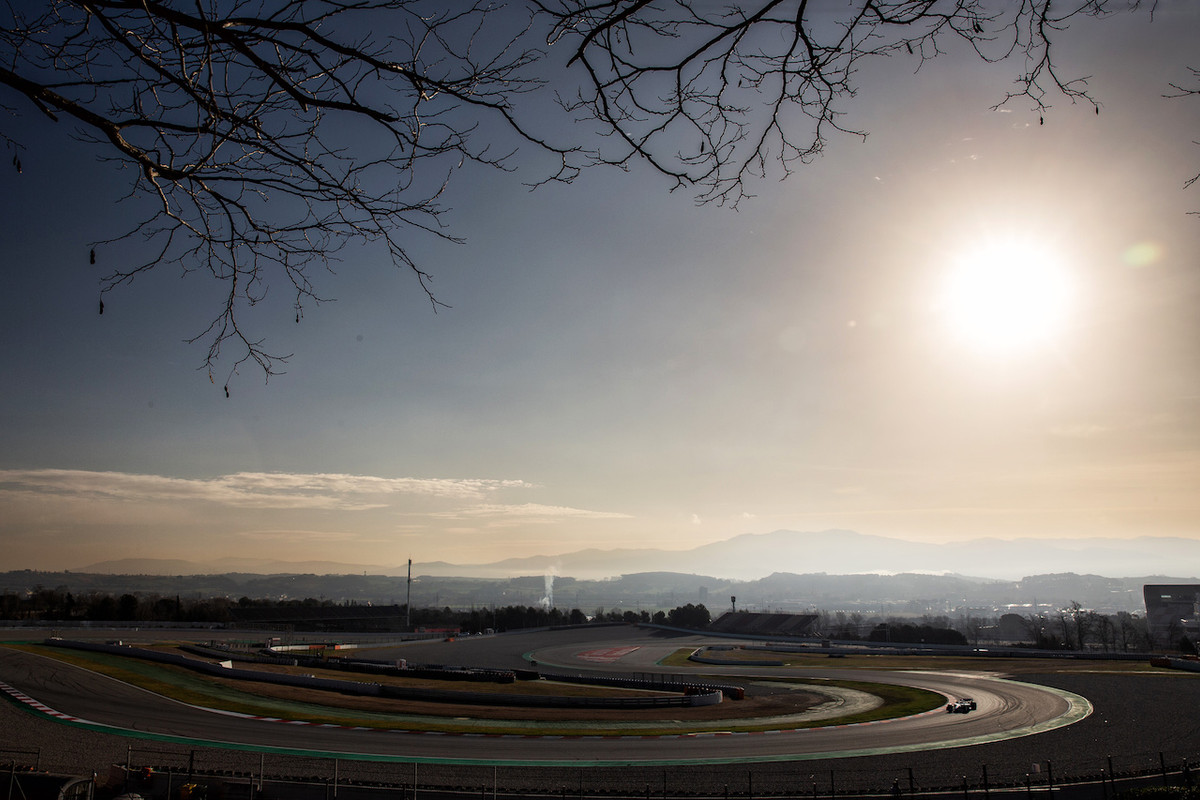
pixel 1006 709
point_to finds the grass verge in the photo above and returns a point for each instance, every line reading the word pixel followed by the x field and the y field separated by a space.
pixel 946 663
pixel 320 707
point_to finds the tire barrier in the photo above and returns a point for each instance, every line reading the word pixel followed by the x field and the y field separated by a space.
pixel 434 672
pixel 662 682
pixel 229 654
pixel 1188 664
pixel 707 698
pixel 730 662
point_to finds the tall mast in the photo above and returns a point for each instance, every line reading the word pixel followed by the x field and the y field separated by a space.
pixel 408 600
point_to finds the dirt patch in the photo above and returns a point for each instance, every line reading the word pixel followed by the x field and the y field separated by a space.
pixel 791 702
pixel 535 687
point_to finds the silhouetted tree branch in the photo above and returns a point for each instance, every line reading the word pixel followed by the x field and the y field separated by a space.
pixel 714 94
pixel 266 136
pixel 269 135
pixel 1178 90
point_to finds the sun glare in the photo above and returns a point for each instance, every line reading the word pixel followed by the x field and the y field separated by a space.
pixel 1006 297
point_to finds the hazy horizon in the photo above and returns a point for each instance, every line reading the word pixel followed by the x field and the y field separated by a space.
pixel 748 557
pixel 619 368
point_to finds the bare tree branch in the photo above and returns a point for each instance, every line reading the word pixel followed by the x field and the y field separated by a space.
pixel 1178 91
pixel 270 135
pixel 713 95
pixel 265 136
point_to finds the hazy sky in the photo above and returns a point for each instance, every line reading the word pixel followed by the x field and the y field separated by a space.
pixel 620 368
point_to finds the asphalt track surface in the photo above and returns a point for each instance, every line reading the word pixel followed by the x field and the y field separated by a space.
pixel 1006 710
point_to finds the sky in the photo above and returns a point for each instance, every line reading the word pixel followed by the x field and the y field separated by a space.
pixel 619 367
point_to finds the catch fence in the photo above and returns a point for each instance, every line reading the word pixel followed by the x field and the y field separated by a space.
pixel 212 774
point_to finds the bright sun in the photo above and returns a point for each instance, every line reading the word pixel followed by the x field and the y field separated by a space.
pixel 1006 297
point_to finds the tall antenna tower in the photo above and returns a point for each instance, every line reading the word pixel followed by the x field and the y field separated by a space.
pixel 408 600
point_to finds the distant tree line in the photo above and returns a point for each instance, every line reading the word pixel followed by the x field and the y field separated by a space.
pixel 61 605
pixel 1069 628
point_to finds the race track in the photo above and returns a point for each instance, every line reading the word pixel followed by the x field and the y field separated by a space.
pixel 1006 710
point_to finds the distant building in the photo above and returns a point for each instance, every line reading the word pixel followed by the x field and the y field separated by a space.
pixel 1172 612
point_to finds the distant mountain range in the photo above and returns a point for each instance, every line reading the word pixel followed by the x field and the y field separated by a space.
pixel 753 556
pixel 904 594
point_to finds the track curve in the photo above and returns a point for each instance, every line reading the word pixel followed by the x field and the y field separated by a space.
pixel 1007 709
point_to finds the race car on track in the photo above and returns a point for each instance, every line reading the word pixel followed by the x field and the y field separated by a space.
pixel 964 706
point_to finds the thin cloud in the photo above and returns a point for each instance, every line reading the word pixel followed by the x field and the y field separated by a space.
pixel 526 513
pixel 249 489
pixel 294 536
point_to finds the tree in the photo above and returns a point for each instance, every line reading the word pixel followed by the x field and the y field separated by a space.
pixel 1064 626
pixel 127 607
pixel 264 137
pixel 689 616
pixel 713 95
pixel 1102 626
pixel 102 607
pixel 1133 632
pixel 261 138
